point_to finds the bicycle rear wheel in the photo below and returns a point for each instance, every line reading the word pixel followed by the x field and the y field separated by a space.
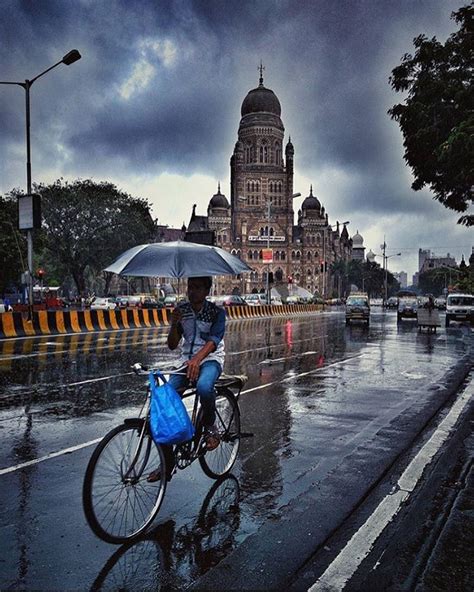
pixel 218 462
pixel 119 502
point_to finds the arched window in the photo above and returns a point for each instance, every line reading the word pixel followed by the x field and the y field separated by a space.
pixel 277 255
pixel 265 154
pixel 308 256
pixel 309 273
pixel 297 277
pixel 293 255
pixel 255 255
pixel 239 253
pixel 283 255
pixel 298 254
pixel 262 232
pixel 261 153
pixel 233 252
pixel 272 232
pixel 279 187
pixel 271 187
pixel 250 255
pixel 260 255
pixel 257 186
pixel 266 231
pixel 248 186
pixel 253 186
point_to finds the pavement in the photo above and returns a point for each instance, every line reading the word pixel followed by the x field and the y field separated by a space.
pixel 427 548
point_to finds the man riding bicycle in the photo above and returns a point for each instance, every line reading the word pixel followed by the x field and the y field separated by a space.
pixel 198 326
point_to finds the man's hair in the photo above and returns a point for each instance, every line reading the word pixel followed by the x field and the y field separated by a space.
pixel 206 280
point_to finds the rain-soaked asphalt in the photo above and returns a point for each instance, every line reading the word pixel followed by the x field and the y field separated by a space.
pixel 317 390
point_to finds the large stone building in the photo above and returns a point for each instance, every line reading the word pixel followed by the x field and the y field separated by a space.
pixel 258 222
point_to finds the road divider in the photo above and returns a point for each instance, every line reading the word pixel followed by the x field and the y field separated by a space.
pixel 57 322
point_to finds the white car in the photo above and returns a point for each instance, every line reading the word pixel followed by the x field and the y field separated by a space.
pixel 460 307
pixel 255 299
pixel 104 304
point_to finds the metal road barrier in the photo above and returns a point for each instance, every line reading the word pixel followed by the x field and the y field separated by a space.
pixel 57 322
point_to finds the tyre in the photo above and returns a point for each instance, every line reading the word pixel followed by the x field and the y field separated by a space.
pixel 119 502
pixel 218 462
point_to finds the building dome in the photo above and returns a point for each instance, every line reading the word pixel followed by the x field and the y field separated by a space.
pixel 218 200
pixel 311 202
pixel 260 100
pixel 357 240
pixel 370 256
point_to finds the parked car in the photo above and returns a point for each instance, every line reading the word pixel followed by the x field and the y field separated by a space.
pixel 460 307
pixel 255 299
pixel 151 303
pixel 357 308
pixel 407 308
pixel 122 301
pixel 230 300
pixel 440 303
pixel 170 301
pixel 103 304
pixel 376 302
pixel 4 307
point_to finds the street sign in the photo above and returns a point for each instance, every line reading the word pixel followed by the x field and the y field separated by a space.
pixel 267 255
pixel 29 211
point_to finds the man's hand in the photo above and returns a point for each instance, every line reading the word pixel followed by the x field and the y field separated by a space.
pixel 176 316
pixel 192 371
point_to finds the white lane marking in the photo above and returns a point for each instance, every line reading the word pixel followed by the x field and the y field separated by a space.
pixel 48 456
pixel 358 548
pixel 270 361
pixel 78 447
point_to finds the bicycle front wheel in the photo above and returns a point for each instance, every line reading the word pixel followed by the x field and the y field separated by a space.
pixel 119 501
pixel 218 462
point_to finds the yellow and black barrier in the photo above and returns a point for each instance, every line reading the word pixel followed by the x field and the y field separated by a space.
pixel 57 322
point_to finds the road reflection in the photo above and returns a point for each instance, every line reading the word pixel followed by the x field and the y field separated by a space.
pixel 168 558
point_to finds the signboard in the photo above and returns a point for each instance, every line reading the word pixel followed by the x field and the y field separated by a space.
pixel 267 255
pixel 29 212
pixel 264 237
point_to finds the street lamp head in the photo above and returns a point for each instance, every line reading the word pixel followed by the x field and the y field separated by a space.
pixel 296 195
pixel 71 57
pixel 346 222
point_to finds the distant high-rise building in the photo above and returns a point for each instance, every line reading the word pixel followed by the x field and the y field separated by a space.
pixel 423 254
pixel 402 278
pixel 434 262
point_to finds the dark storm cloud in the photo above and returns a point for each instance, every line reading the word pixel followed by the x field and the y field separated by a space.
pixel 160 85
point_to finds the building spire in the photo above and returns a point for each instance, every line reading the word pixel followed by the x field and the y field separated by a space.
pixel 218 187
pixel 261 68
pixel 311 190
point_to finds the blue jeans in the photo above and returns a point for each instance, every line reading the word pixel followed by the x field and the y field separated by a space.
pixel 209 372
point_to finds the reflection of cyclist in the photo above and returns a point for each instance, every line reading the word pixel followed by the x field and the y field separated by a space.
pixel 199 326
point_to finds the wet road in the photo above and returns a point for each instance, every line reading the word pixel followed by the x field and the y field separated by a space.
pixel 317 391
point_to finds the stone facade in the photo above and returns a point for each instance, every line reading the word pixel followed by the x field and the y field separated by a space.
pixel 260 214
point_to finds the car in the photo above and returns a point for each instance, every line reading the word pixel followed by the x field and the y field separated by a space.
pixel 170 301
pixel 392 302
pixel 104 304
pixel 407 308
pixel 151 303
pixel 357 308
pixel 376 302
pixel 440 303
pixel 122 301
pixel 230 300
pixel 460 307
pixel 255 299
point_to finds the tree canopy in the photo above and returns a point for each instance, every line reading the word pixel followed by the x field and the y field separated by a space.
pixel 437 117
pixel 12 244
pixel 85 226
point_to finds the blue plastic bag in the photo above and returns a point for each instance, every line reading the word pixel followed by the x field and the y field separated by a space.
pixel 169 420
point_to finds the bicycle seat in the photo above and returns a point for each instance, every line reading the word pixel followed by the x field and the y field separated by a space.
pixel 237 380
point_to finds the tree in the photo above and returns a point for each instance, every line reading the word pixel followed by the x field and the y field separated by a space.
pixel 12 244
pixel 86 225
pixel 437 118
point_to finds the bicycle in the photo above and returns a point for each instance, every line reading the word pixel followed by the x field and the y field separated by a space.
pixel 120 502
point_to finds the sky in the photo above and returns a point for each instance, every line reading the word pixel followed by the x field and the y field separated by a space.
pixel 154 104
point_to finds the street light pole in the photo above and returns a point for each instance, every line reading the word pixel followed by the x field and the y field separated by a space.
pixel 68 59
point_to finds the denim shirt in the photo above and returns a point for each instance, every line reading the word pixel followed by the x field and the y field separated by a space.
pixel 197 329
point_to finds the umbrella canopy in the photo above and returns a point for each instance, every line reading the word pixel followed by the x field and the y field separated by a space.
pixel 177 259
